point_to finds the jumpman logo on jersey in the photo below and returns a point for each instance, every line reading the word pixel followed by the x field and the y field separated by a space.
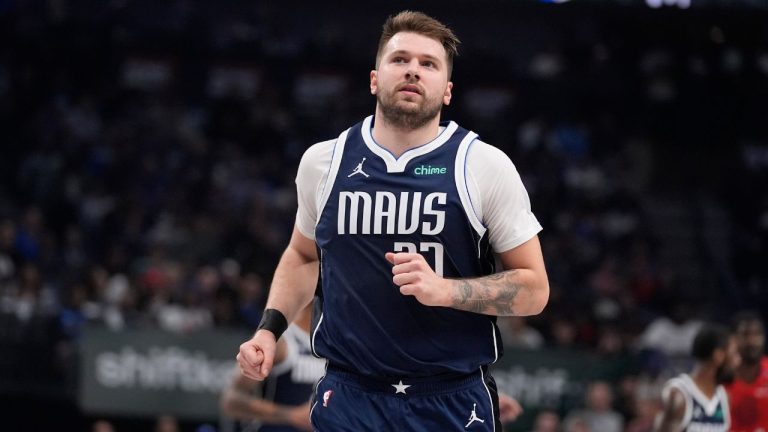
pixel 473 417
pixel 359 169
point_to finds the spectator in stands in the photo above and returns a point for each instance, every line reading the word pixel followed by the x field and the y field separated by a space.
pixel 598 414
pixel 516 333
pixel 102 426
pixel 546 421
pixel 167 423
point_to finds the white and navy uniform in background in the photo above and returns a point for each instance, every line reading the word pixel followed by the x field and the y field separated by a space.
pixel 455 200
pixel 702 414
pixel 291 381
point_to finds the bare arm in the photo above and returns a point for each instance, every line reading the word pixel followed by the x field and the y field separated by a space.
pixel 522 289
pixel 295 279
pixel 672 413
pixel 238 401
pixel 293 287
pixel 509 408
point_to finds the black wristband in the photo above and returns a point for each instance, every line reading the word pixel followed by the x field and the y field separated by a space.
pixel 274 321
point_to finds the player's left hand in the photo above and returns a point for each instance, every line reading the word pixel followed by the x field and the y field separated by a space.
pixel 415 277
pixel 509 408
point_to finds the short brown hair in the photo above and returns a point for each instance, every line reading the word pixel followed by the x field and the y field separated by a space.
pixel 425 25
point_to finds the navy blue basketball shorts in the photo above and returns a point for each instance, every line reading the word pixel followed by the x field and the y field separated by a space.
pixel 348 402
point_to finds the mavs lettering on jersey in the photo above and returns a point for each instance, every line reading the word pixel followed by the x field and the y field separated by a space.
pixel 374 203
pixel 392 208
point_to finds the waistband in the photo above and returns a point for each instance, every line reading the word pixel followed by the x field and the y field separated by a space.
pixel 407 386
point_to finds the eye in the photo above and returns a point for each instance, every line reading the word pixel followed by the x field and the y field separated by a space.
pixel 428 63
pixel 399 60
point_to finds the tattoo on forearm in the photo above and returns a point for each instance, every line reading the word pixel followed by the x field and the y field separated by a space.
pixel 492 295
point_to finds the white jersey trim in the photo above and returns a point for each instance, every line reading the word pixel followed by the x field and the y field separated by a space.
pixel 461 183
pixel 398 164
pixel 495 344
pixel 338 152
pixel 490 399
pixel 679 385
pixel 317 388
pixel 314 334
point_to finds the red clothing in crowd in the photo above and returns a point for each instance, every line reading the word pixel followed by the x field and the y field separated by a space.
pixel 749 402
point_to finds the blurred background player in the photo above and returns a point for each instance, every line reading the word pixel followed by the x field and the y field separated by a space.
pixel 281 402
pixel 697 401
pixel 748 393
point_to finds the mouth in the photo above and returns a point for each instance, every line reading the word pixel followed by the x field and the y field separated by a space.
pixel 410 88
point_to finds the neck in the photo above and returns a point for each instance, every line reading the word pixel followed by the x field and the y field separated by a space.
pixel 705 378
pixel 397 139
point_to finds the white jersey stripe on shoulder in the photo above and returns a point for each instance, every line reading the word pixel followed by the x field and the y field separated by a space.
pixel 680 385
pixel 338 152
pixel 461 183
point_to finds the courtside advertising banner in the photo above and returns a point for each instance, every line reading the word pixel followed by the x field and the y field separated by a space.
pixel 148 373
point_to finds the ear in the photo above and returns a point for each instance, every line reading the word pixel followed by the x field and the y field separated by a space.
pixel 374 82
pixel 718 356
pixel 447 95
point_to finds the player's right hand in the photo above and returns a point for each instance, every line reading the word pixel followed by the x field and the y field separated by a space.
pixel 299 417
pixel 257 355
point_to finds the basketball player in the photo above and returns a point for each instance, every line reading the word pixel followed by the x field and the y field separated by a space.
pixel 281 402
pixel 748 393
pixel 401 216
pixel 697 402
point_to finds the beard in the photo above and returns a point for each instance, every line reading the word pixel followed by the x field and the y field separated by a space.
pixel 725 375
pixel 408 117
pixel 751 355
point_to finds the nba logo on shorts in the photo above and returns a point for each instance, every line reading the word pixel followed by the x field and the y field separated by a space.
pixel 326 397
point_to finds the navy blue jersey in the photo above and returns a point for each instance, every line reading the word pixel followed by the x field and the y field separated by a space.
pixel 702 414
pixel 373 203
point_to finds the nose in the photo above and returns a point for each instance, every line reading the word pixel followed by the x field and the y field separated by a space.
pixel 413 70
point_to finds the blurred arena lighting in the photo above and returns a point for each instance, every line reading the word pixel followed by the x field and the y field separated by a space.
pixel 677 4
pixel 682 4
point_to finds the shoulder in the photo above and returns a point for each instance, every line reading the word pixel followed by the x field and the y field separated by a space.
pixel 319 151
pixel 315 161
pixel 482 154
pixel 676 384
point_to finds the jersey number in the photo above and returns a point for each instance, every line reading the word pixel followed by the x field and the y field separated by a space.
pixel 424 247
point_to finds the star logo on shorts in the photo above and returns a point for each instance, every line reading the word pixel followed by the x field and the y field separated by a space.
pixel 400 387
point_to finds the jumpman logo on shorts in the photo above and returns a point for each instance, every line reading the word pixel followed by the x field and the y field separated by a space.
pixel 359 169
pixel 473 417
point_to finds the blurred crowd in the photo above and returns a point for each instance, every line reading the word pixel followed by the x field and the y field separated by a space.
pixel 149 152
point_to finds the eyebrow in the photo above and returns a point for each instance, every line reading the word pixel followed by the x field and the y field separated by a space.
pixel 404 52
